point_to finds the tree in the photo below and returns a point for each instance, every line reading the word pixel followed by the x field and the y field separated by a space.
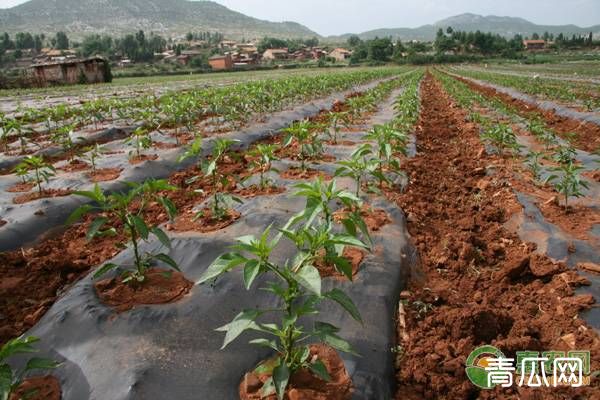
pixel 354 41
pixel 24 40
pixel 380 49
pixel 96 44
pixel 535 36
pixel 62 41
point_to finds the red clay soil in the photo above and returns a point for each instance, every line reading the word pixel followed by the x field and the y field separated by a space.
pixel 75 165
pixel 297 173
pixel 190 222
pixel 21 187
pixel 255 191
pixel 353 255
pixel 38 388
pixel 46 193
pixel 304 385
pixel 593 175
pixel 588 134
pixel 479 284
pixel 140 159
pixel 165 145
pixel 340 142
pixel 159 287
pixel 3 222
pixel 105 174
pixel 375 218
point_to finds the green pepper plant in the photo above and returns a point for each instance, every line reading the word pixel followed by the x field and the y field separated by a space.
pixel 310 146
pixel 11 379
pixel 36 169
pixel 128 209
pixel 298 286
pixel 263 155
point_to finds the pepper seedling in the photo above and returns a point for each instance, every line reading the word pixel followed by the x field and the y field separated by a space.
pixel 119 207
pixel 11 379
pixel 263 155
pixel 42 171
pixel 298 287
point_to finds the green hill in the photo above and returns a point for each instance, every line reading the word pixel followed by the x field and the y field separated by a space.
pixel 167 17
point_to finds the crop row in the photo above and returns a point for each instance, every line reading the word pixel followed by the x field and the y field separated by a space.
pixel 570 92
pixel 565 176
pixel 318 237
pixel 234 104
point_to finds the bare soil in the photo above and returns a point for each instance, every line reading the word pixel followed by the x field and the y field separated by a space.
pixel 189 221
pixel 353 255
pixel 38 388
pixel 159 287
pixel 46 193
pixel 304 385
pixel 140 159
pixel 21 187
pixel 105 175
pixel 297 173
pixel 480 284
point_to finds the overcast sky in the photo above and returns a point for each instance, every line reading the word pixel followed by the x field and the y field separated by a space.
pixel 329 17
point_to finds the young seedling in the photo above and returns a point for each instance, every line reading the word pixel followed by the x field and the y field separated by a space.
pixel 565 155
pixel 357 166
pixel 119 207
pixel 10 127
pixel 92 154
pixel 298 287
pixel 568 181
pixel 42 171
pixel 502 137
pixel 263 155
pixel 310 145
pixel 533 163
pixel 389 142
pixel 337 121
pixel 141 140
pixel 11 379
pixel 63 136
pixel 221 202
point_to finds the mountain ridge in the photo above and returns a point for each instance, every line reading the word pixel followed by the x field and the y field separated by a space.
pixel 502 25
pixel 166 17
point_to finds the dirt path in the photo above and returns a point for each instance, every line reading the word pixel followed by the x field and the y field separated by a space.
pixel 480 283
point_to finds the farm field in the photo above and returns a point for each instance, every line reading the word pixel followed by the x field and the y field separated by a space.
pixel 325 234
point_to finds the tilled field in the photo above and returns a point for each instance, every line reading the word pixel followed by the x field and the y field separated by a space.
pixel 387 224
pixel 483 284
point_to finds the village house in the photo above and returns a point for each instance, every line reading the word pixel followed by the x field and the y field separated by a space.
pixel 221 63
pixel 90 70
pixel 340 54
pixel 275 54
pixel 534 44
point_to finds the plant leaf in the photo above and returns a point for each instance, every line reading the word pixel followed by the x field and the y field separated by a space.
pixel 95 227
pixel 345 301
pixel 140 226
pixel 251 271
pixel 41 363
pixel 104 269
pixel 162 236
pixel 221 265
pixel 167 260
pixel 319 369
pixel 281 376
pixel 78 213
pixel 308 276
pixel 243 321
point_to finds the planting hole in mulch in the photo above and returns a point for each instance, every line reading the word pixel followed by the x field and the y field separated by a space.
pixel 21 187
pixel 340 143
pixel 304 384
pixel 255 190
pixel 375 218
pixel 140 159
pixel 38 388
pixel 105 174
pixel 298 173
pixel 353 255
pixel 47 193
pixel 189 222
pixel 159 287
pixel 164 145
pixel 75 165
pixel 2 222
